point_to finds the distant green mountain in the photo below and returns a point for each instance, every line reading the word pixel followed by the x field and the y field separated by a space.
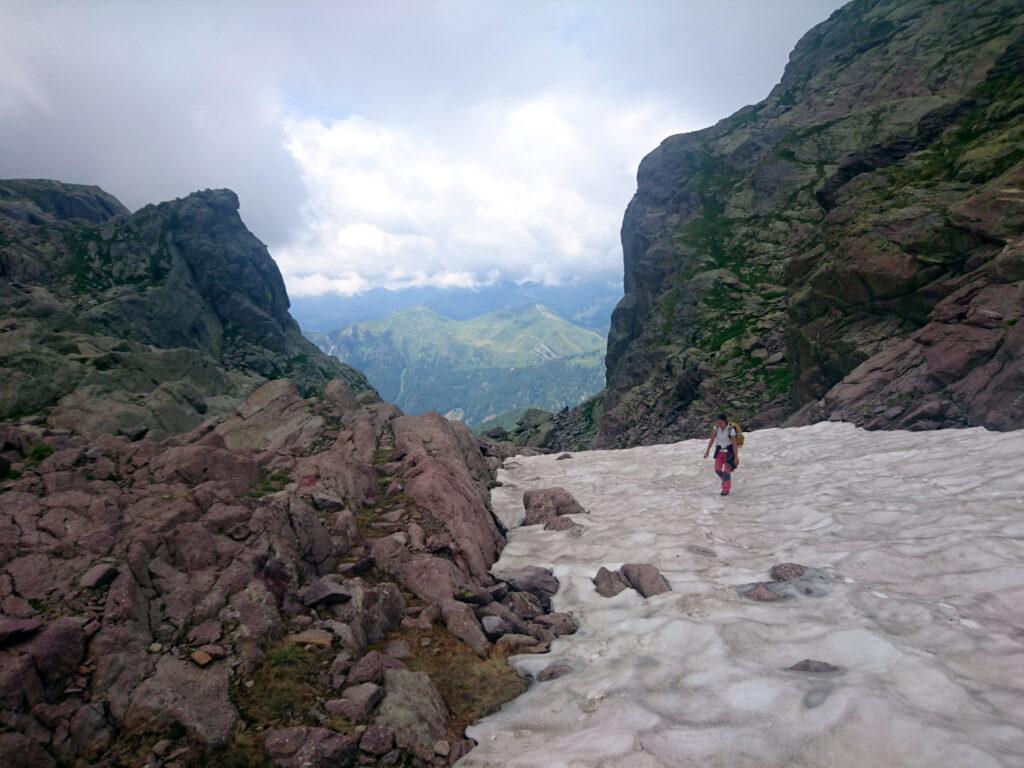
pixel 473 369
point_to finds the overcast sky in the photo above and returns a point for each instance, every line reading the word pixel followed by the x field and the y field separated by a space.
pixel 386 143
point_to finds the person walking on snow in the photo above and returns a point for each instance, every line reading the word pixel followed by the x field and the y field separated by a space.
pixel 727 451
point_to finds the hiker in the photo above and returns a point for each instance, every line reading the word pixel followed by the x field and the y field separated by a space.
pixel 727 440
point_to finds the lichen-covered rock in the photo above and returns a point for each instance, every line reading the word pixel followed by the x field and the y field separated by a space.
pixel 304 747
pixel 179 692
pixel 414 710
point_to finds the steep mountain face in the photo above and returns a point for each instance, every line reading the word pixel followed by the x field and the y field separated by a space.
pixel 477 368
pixel 146 321
pixel 851 247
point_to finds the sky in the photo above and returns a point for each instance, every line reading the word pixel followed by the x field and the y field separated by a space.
pixel 386 144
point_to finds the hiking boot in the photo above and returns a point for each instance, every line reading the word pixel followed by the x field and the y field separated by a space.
pixel 725 493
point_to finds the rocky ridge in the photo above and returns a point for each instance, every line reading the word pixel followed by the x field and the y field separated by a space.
pixel 849 248
pixel 305 581
pixel 145 322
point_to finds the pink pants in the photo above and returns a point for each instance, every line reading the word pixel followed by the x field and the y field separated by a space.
pixel 724 469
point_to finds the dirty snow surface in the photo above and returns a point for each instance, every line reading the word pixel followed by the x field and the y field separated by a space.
pixel 920 536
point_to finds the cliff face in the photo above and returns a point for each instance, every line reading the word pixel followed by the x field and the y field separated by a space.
pixel 851 247
pixel 152 320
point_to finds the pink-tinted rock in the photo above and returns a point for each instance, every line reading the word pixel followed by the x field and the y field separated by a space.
pixel 97 576
pixel 432 579
pixel 559 623
pixel 559 524
pixel 463 624
pixel 761 594
pixel 20 686
pixel 370 668
pixel 377 740
pixel 554 671
pixel 787 571
pixel 304 747
pixel 15 630
pixel 207 632
pixel 58 650
pixel 179 692
pixel 543 503
pixel 609 583
pixel 195 464
pixel 645 579
pixel 357 702
pixel 20 751
pixel 324 590
pixel 536 581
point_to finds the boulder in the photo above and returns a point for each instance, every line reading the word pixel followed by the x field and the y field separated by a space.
pixel 414 709
pixel 609 583
pixel 324 590
pixel 787 571
pixel 304 747
pixel 377 740
pixel 98 575
pixel 645 579
pixel 58 650
pixel 543 503
pixel 16 630
pixel 357 701
pixel 554 671
pixel 817 667
pixel 538 582
pixel 179 692
pixel 370 668
pixel 463 624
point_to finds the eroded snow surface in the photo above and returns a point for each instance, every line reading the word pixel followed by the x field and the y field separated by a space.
pixel 921 536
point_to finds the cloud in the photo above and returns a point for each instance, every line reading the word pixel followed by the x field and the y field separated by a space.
pixel 531 189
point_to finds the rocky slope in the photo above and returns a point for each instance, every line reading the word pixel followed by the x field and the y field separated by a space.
pixel 475 369
pixel 305 582
pixel 143 322
pixel 850 247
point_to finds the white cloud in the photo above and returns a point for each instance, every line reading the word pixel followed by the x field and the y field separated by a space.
pixel 532 189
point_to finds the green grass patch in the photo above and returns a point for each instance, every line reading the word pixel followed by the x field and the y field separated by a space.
pixel 38 453
pixel 270 482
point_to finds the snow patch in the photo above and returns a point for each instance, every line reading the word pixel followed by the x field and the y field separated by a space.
pixel 918 536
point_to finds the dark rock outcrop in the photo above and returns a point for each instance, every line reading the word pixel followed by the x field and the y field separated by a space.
pixel 140 323
pixel 848 248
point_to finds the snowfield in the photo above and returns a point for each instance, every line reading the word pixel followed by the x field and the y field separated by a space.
pixel 921 536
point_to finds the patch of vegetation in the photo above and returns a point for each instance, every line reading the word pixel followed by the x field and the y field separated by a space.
pixel 270 482
pixel 245 751
pixel 38 453
pixel 779 381
pixel 471 687
pixel 284 688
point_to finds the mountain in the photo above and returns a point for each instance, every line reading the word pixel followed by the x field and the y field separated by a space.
pixel 475 368
pixel 146 321
pixel 588 303
pixel 849 248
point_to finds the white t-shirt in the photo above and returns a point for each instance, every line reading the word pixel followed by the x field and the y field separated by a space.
pixel 723 437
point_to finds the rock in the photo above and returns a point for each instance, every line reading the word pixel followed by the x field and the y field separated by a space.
pixel 213 651
pixel 559 524
pixel 442 748
pixel 787 571
pixel 303 747
pixel 524 605
pixel 509 644
pixel 201 658
pixel 357 701
pixel 543 503
pixel 323 591
pixel 325 502
pixel 761 593
pixel 414 709
pixel 89 731
pixel 609 583
pixel 554 671
pixel 20 751
pixel 16 630
pixel 179 692
pixel 538 582
pixel 97 576
pixel 494 627
pixel 559 623
pixel 817 667
pixel 205 633
pixel 370 668
pixel 463 624
pixel 318 637
pixel 377 740
pixel 58 650
pixel 645 579
pixel 563 456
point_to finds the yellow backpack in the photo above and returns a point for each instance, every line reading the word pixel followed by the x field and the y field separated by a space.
pixel 739 434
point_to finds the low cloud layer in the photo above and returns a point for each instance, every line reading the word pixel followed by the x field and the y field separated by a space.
pixel 385 143
pixel 532 189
